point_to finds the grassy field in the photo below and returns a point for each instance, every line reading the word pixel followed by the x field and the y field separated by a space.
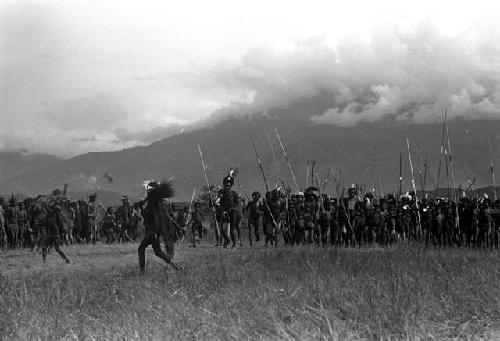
pixel 284 293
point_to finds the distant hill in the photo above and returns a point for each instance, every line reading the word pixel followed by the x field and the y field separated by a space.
pixel 15 165
pixel 367 154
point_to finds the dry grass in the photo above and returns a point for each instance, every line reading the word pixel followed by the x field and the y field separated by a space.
pixel 284 293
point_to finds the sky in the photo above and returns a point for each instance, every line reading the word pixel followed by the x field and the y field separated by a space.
pixel 80 76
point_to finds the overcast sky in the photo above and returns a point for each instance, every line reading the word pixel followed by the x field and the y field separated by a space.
pixel 78 76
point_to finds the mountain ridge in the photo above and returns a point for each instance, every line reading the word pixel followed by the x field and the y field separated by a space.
pixel 367 154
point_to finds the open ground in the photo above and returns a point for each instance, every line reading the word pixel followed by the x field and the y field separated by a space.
pixel 405 292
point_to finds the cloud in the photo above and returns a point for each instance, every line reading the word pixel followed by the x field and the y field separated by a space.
pixel 148 136
pixel 97 114
pixel 407 75
pixel 80 76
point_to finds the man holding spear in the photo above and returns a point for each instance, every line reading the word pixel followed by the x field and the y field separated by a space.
pixel 271 210
pixel 228 206
pixel 218 235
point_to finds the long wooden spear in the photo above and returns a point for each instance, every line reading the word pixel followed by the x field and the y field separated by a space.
pixel 414 187
pixel 441 150
pixel 307 173
pixel 470 185
pixel 451 163
pixel 492 170
pixel 455 198
pixel 260 164
pixel 312 172
pixel 192 199
pixel 319 189
pixel 287 160
pixel 447 172
pixel 275 161
pixel 325 183
pixel 425 175
pixel 336 180
pixel 308 165
pixel 190 213
pixel 265 182
pixel 400 173
pixel 209 193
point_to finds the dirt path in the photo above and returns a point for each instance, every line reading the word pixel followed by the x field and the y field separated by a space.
pixel 18 263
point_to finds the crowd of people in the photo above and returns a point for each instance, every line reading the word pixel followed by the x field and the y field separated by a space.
pixel 24 224
pixel 301 218
pixel 311 217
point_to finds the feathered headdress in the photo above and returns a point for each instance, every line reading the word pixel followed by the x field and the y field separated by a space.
pixel 233 172
pixel 229 179
pixel 148 184
pixel 157 191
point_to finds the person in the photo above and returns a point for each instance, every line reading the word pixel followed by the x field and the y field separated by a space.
pixel 54 224
pixel 228 202
pixel 124 218
pixel 239 217
pixel 12 220
pixel 215 223
pixel 25 231
pixel 39 227
pixel 271 217
pixel 196 223
pixel 92 218
pixel 157 223
pixel 181 222
pixel 254 214
pixel 3 235
pixel 109 225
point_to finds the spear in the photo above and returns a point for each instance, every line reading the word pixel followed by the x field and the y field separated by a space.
pixel 455 199
pixel 275 161
pixel 325 183
pixel 414 187
pixel 447 172
pixel 265 181
pixel 192 199
pixel 209 192
pixel 377 184
pixel 190 216
pixel 421 180
pixel 340 181
pixel 287 159
pixel 400 173
pixel 470 185
pixel 260 164
pixel 425 175
pixel 319 187
pixel 312 173
pixel 441 150
pixel 451 162
pixel 307 173
pixel 308 162
pixel 341 199
pixel 337 181
pixel 492 170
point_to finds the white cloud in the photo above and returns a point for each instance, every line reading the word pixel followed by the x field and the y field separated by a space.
pixel 97 114
pixel 162 64
pixel 410 75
